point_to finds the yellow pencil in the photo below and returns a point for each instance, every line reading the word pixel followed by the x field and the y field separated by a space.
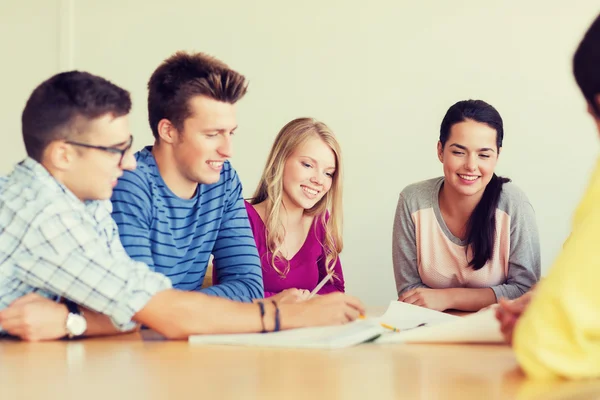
pixel 393 329
pixel 386 326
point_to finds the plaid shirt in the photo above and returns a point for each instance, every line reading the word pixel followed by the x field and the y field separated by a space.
pixel 54 244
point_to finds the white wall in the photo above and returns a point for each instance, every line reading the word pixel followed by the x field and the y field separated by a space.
pixel 30 37
pixel 381 75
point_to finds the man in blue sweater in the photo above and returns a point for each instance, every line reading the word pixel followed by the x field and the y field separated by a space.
pixel 58 240
pixel 184 201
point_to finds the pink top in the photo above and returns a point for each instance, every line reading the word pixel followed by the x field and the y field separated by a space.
pixel 307 266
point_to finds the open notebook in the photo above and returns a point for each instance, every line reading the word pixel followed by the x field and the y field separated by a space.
pixel 416 325
pixel 480 327
pixel 328 337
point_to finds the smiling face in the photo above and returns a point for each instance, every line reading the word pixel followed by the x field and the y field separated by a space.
pixel 469 157
pixel 204 143
pixel 308 174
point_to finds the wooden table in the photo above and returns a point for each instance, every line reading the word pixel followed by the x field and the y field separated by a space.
pixel 126 367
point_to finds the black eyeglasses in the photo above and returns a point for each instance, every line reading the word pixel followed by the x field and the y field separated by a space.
pixel 113 150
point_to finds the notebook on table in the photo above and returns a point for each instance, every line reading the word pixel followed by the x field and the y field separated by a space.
pixel 479 327
pixel 415 325
pixel 327 337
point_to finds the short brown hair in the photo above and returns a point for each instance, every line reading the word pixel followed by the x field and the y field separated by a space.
pixel 183 76
pixel 55 106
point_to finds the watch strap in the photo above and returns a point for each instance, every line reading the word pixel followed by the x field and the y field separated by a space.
pixel 72 307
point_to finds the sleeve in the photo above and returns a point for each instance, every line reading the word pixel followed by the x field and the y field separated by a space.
pixel 559 334
pixel 236 260
pixel 132 211
pixel 65 256
pixel 524 262
pixel 404 250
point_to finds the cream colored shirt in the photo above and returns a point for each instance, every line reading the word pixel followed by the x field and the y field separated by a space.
pixel 427 254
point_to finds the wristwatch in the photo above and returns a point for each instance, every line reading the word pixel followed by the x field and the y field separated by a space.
pixel 76 324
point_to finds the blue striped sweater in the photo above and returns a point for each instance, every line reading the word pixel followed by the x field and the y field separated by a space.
pixel 176 236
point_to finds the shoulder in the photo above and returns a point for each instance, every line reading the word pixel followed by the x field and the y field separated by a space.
pixel 512 199
pixel 228 181
pixel 144 173
pixel 256 212
pixel 34 200
pixel 139 184
pixel 420 195
pixel 229 174
pixel 252 213
pixel 255 219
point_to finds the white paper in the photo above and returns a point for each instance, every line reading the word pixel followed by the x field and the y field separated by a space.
pixel 406 316
pixel 328 337
pixel 480 327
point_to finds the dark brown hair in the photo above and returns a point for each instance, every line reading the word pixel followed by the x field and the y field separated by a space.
pixel 481 227
pixel 183 76
pixel 58 103
pixel 586 65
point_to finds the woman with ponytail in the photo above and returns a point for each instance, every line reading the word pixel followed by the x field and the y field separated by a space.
pixel 296 212
pixel 469 238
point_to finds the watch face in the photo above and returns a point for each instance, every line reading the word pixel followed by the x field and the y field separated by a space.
pixel 76 324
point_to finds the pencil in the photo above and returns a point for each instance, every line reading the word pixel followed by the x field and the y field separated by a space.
pixel 393 329
pixel 386 326
pixel 320 285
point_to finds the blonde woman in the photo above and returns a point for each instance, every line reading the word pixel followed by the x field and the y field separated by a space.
pixel 296 212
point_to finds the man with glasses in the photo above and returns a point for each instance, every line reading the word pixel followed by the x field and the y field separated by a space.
pixel 119 148
pixel 59 242
pixel 184 201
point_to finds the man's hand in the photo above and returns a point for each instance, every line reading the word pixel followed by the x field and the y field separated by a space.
pixel 508 313
pixel 34 318
pixel 435 299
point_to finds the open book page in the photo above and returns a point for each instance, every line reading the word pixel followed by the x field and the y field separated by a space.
pixel 328 337
pixel 406 316
pixel 480 327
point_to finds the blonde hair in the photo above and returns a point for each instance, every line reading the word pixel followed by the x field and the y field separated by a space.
pixel 270 189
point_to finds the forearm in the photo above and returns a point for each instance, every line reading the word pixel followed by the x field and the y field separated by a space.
pixel 513 290
pixel 178 315
pixel 468 299
pixel 100 325
pixel 412 286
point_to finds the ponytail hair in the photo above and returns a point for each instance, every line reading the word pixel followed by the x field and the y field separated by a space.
pixel 481 226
